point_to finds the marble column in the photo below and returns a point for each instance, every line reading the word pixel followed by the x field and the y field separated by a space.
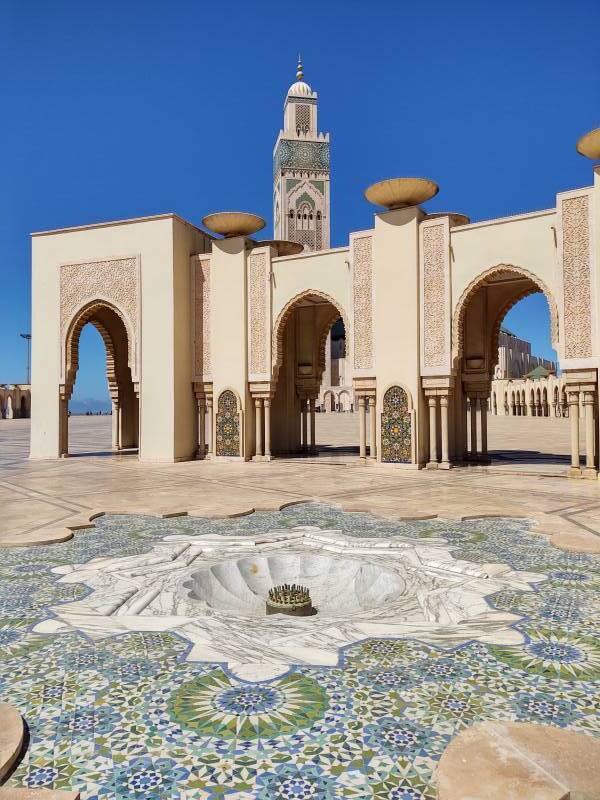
pixel 433 456
pixel 372 428
pixel 201 427
pixel 115 425
pixel 313 434
pixel 590 461
pixel 444 402
pixel 574 416
pixel 304 424
pixel 483 453
pixel 258 426
pixel 362 425
pixel 267 428
pixel 473 421
pixel 63 427
pixel 211 426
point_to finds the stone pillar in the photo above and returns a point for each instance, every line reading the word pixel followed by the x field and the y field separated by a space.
pixel 201 427
pixel 573 396
pixel 433 456
pixel 362 424
pixel 258 427
pixel 267 428
pixel 590 460
pixel 304 424
pixel 372 428
pixel 211 426
pixel 116 425
pixel 473 414
pixel 63 427
pixel 444 402
pixel 483 454
pixel 313 433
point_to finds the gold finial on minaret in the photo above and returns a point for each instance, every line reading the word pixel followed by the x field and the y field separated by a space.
pixel 299 70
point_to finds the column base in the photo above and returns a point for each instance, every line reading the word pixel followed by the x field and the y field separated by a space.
pixel 261 458
pixel 444 465
pixel 591 473
pixel 574 472
pixel 432 465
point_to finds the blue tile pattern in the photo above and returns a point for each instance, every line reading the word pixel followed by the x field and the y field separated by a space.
pixel 127 717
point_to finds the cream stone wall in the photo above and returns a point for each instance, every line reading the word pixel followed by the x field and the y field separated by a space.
pixel 151 242
pixel 422 299
pixel 527 241
pixel 396 310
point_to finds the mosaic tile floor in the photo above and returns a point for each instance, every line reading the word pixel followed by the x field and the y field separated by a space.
pixel 130 717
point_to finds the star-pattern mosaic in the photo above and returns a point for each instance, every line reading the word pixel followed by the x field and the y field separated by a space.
pixel 129 717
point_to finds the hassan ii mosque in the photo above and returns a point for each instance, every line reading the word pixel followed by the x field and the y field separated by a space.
pixel 216 341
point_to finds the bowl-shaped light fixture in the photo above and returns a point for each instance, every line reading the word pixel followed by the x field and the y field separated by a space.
pixel 233 223
pixel 455 217
pixel 589 145
pixel 401 192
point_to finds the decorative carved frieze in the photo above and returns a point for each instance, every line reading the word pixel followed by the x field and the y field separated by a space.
pixel 576 277
pixel 202 353
pixel 363 302
pixel 115 281
pixel 435 297
pixel 257 313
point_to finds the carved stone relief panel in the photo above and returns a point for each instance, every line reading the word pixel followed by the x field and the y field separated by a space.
pixel 576 276
pixel 115 281
pixel 363 302
pixel 435 290
pixel 202 353
pixel 257 315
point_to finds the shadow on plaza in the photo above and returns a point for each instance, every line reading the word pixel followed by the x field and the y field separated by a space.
pixel 528 457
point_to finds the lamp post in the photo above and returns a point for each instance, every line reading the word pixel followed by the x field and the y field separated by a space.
pixel 27 336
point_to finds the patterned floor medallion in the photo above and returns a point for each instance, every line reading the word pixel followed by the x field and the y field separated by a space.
pixel 130 715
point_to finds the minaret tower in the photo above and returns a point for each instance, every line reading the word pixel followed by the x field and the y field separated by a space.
pixel 301 171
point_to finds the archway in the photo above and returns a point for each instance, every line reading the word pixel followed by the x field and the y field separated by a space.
pixel 483 321
pixel 303 380
pixel 123 435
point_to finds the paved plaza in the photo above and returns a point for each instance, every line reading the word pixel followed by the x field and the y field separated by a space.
pixel 41 494
pixel 140 657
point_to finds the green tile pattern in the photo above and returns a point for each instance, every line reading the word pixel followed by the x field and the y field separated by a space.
pixel 128 717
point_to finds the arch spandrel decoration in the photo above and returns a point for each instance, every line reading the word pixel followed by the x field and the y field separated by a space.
pixel 499 271
pixel 70 362
pixel 396 427
pixel 112 282
pixel 228 425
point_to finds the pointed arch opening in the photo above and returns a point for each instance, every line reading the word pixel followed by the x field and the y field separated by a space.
pixel 505 331
pixel 309 349
pixel 122 432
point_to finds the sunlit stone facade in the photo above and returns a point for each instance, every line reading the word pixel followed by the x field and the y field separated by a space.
pixel 216 347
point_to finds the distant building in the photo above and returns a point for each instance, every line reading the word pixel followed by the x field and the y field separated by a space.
pixel 515 359
pixel 15 400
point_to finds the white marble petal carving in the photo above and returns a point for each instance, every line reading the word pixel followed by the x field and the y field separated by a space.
pixel 210 590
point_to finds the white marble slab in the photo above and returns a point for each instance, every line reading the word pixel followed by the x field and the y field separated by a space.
pixel 211 591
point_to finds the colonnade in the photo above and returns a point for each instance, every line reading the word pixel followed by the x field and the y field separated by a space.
pixel 308 425
pixel 438 402
pixel 367 401
pixel 581 392
pixel 262 421
pixel 477 411
pixel 206 438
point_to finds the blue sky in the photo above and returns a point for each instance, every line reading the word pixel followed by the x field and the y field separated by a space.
pixel 119 109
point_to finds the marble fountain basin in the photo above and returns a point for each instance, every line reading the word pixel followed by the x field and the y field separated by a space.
pixel 210 590
pixel 337 585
